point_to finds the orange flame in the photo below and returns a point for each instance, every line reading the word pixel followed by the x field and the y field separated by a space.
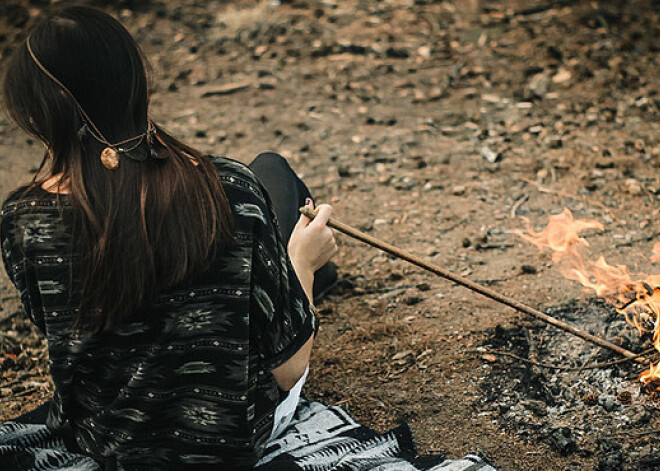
pixel 638 298
pixel 561 235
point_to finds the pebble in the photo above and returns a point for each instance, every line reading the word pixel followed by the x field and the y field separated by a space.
pixel 528 269
pixel 611 462
pixel 607 402
pixel 490 155
pixel 539 408
pixel 412 300
pixel 634 187
pixel 562 439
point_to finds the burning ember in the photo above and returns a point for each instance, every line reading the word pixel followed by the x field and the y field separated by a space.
pixel 636 296
pixel 656 253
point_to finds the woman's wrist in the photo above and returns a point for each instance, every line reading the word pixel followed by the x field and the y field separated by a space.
pixel 300 263
pixel 305 275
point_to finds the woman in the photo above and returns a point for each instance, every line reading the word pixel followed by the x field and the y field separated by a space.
pixel 178 326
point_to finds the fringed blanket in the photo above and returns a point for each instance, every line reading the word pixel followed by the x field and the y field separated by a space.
pixel 320 438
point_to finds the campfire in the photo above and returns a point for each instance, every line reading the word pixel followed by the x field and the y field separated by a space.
pixel 636 296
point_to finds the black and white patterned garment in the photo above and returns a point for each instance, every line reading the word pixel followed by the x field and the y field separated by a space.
pixel 186 384
pixel 320 438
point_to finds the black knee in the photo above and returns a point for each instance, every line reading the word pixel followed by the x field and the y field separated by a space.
pixel 271 162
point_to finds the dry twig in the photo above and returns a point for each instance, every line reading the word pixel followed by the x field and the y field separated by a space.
pixel 517 205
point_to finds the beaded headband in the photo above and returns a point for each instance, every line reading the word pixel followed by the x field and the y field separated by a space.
pixel 110 154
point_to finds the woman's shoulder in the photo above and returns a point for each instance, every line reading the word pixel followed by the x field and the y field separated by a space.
pixel 238 181
pixel 29 206
pixel 29 197
pixel 231 167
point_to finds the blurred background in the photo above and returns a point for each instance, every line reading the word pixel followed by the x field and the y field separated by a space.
pixel 434 125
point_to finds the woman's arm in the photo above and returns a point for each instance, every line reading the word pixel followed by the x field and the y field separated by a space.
pixel 311 246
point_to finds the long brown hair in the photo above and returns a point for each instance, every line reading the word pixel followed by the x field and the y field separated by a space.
pixel 153 221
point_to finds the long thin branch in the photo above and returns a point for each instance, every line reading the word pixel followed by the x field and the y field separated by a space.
pixel 594 366
pixel 487 292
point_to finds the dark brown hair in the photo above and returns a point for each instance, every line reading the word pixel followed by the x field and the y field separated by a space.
pixel 149 224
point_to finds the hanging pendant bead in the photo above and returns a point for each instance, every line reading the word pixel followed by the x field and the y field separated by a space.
pixel 110 158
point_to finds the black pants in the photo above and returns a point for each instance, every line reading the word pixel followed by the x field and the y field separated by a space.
pixel 287 194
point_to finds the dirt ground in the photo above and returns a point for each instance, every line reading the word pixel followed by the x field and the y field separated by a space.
pixel 434 125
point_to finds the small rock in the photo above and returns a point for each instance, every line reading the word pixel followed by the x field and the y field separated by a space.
pixel 538 408
pixel 397 53
pixel 424 51
pixel 412 300
pixel 592 115
pixel 528 269
pixel 437 93
pixel 640 417
pixel 491 98
pixel 538 85
pixel 554 142
pixel 419 96
pixel 489 155
pixel 562 75
pixel 605 164
pixel 611 462
pixel 607 402
pixel 562 439
pixel 634 187
pixel 458 190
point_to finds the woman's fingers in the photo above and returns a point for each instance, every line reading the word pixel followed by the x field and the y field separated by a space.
pixel 313 244
pixel 324 212
pixel 303 220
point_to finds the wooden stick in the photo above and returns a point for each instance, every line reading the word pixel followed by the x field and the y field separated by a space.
pixel 489 293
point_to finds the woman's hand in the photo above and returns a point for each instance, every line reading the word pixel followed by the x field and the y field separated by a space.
pixel 312 243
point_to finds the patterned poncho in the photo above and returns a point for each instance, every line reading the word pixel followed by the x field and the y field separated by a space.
pixel 186 383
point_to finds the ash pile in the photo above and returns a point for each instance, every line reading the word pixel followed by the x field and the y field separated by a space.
pixel 603 412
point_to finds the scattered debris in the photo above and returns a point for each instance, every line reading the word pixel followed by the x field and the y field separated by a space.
pixel 228 89
pixel 578 408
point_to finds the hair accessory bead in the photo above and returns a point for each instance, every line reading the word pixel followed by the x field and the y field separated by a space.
pixel 110 158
